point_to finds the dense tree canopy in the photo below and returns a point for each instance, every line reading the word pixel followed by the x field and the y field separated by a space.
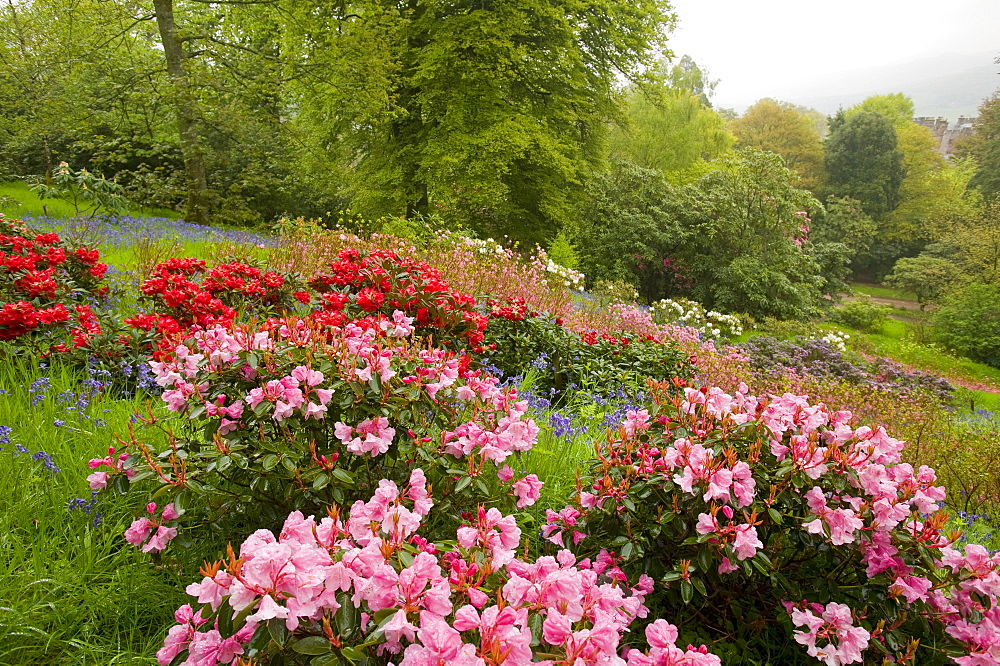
pixel 493 113
pixel 863 161
pixel 783 129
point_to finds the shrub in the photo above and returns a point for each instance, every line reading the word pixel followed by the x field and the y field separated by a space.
pixel 300 415
pixel 863 314
pixel 365 587
pixel 565 360
pixel 381 281
pixel 685 312
pixel 773 522
pixel 968 321
pixel 825 359
pixel 189 292
pixel 47 287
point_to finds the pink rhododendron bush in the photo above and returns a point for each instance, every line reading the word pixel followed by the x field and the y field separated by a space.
pixel 297 414
pixel 778 527
pixel 366 588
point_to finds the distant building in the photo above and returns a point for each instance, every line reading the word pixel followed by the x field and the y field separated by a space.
pixel 947 136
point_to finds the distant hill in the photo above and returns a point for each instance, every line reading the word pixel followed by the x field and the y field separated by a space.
pixel 949 85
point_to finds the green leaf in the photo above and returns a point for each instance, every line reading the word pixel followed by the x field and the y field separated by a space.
pixel 687 592
pixel 775 515
pixel 278 630
pixel 343 476
pixel 120 484
pixel 463 483
pixel 320 481
pixel 347 616
pixel 326 660
pixel 352 654
pixel 312 645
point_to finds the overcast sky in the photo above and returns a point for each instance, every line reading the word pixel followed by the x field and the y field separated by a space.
pixel 761 48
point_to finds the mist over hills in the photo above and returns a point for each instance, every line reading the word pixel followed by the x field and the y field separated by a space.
pixel 948 85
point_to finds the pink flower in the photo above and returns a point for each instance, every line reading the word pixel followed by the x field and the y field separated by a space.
pixel 527 490
pixel 746 543
pixel 98 480
pixel 138 531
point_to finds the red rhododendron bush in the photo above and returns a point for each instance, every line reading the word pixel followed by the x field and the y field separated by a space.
pixel 47 287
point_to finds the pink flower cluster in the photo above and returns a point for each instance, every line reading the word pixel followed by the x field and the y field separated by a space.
pixel 842 642
pixel 373 436
pixel 426 604
pixel 155 530
pixel 862 496
pixel 99 480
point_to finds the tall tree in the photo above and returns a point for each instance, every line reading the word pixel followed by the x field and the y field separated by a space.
pixel 500 107
pixel 781 128
pixel 984 147
pixel 197 208
pixel 863 161
pixel 670 125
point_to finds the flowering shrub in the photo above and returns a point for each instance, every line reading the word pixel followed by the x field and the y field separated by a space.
pixel 823 358
pixel 837 340
pixel 685 312
pixel 298 415
pixel 366 587
pixel 381 281
pixel 188 292
pixel 42 283
pixel 568 277
pixel 564 359
pixel 762 516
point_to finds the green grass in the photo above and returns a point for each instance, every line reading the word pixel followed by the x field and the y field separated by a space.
pixel 70 592
pixel 879 291
pixel 28 203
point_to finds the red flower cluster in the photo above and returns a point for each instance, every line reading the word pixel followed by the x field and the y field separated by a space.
pixel 515 309
pixel 383 281
pixel 39 272
pixel 175 289
pixel 593 337
pixel 17 319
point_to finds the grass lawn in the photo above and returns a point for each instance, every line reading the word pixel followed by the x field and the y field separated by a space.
pixel 28 203
pixel 879 291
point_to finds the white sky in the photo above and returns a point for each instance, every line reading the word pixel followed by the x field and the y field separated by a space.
pixel 763 48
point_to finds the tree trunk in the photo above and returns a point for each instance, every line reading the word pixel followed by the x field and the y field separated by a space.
pixel 184 105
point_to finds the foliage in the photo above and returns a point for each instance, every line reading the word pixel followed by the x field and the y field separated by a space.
pixel 563 252
pixel 606 292
pixel 565 360
pixel 968 321
pixel 863 161
pixel 927 277
pixel 749 253
pixel 83 190
pixel 843 221
pixel 782 128
pixel 499 131
pixel 861 313
pixel 631 230
pixel 719 496
pixel 670 126
pixel 984 148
